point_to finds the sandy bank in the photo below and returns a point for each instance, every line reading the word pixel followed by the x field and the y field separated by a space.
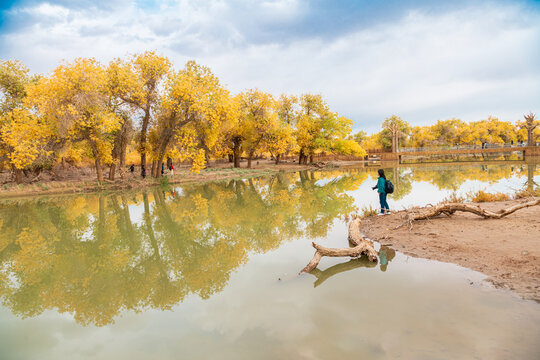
pixel 507 250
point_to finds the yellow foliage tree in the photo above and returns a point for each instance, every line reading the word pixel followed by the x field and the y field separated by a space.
pixel 137 83
pixel 24 137
pixel 193 96
pixel 257 120
pixel 76 99
pixel 320 130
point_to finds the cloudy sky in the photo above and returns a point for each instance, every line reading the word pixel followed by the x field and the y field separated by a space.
pixel 421 60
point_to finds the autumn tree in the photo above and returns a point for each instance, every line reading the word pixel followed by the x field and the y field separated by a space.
pixel 76 98
pixel 320 130
pixel 121 139
pixel 447 132
pixel 257 121
pixel 529 124
pixel 192 96
pixel 23 136
pixel 137 83
pixel 422 136
pixel 360 137
pixel 281 139
pixel 396 130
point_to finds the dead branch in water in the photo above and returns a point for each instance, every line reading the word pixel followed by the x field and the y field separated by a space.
pixel 361 246
pixel 450 209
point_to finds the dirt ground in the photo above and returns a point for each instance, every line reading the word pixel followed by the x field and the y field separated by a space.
pixel 507 249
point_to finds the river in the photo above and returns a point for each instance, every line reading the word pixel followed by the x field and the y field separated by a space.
pixel 210 271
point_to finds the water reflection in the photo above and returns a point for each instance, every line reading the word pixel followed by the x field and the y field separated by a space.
pixel 99 255
pixel 87 257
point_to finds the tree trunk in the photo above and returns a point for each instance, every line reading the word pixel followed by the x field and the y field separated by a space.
pixel 18 175
pixel 207 157
pixel 161 154
pixel 153 172
pixel 361 246
pixel 112 171
pixel 249 160
pixel 311 159
pixel 159 163
pixel 144 130
pixel 231 158
pixel 236 154
pixel 277 159
pixel 99 170
pixel 122 165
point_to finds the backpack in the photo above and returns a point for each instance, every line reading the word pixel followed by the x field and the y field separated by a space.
pixel 388 187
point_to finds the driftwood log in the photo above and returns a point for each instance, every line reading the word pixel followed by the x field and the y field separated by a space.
pixel 449 209
pixel 360 246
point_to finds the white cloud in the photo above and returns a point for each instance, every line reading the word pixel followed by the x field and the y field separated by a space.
pixel 464 63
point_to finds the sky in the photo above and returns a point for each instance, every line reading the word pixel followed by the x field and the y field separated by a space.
pixel 420 60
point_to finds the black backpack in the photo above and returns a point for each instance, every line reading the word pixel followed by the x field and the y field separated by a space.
pixel 388 187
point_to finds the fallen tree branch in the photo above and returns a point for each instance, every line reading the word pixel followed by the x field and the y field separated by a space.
pixel 360 246
pixel 450 209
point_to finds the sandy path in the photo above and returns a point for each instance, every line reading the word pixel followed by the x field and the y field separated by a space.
pixel 507 250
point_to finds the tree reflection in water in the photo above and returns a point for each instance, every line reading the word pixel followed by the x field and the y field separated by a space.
pixel 86 255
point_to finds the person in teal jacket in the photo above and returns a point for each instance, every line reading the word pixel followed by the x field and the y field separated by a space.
pixel 381 184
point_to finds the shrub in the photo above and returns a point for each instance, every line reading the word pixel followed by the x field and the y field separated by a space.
pixel 482 196
pixel 368 211
pixel 523 194
pixel 454 198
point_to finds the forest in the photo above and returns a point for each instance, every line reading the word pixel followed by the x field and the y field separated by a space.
pixel 140 110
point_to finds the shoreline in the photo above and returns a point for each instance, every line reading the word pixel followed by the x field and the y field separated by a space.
pixel 507 250
pixel 132 181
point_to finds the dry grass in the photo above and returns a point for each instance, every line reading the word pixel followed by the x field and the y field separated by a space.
pixel 368 211
pixel 524 194
pixel 454 198
pixel 482 196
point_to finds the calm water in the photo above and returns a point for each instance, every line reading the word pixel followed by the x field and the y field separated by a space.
pixel 210 271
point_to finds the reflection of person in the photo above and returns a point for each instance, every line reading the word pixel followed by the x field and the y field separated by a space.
pixel 381 184
pixel 386 254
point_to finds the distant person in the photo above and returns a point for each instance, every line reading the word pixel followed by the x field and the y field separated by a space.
pixel 162 169
pixel 132 168
pixel 381 185
pixel 171 169
pixel 143 171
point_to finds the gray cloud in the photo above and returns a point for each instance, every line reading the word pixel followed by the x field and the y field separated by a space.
pixel 421 64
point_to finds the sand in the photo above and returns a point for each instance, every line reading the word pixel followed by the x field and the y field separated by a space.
pixel 507 250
